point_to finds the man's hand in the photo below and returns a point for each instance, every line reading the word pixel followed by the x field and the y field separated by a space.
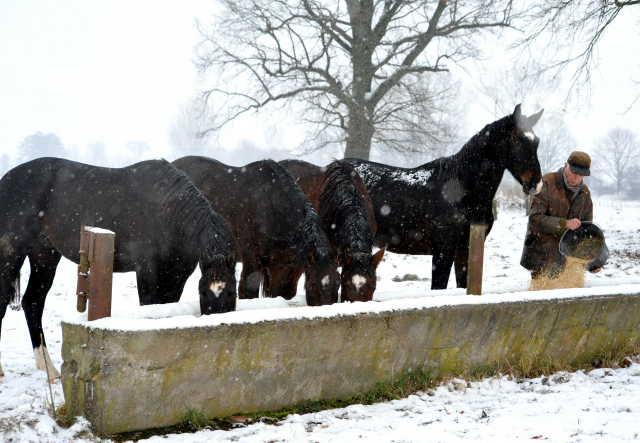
pixel 574 223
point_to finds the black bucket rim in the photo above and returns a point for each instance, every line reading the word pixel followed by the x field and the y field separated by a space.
pixel 603 253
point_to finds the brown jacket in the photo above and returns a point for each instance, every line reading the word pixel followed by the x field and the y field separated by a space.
pixel 544 227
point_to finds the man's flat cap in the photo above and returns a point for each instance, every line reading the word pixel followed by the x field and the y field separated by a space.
pixel 579 163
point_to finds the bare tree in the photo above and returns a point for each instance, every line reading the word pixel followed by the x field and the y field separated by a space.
pixel 554 149
pixel 616 154
pixel 138 149
pixel 567 32
pixel 359 71
pixel 97 154
pixel 41 145
pixel 186 132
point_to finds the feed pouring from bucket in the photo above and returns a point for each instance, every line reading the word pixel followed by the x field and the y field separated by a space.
pixel 587 244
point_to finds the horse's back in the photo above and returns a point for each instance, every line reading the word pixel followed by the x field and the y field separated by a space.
pixel 261 200
pixel 308 176
pixel 257 189
pixel 404 211
pixel 55 197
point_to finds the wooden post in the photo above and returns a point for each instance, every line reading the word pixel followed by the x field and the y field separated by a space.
pixel 476 259
pixel 82 290
pixel 95 271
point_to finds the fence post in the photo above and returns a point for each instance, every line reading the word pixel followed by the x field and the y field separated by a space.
pixel 476 258
pixel 95 271
pixel 83 271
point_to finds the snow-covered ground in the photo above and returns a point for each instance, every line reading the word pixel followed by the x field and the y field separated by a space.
pixel 603 405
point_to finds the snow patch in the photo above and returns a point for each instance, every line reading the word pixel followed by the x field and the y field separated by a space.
pixel 414 177
pixel 96 230
pixel 449 297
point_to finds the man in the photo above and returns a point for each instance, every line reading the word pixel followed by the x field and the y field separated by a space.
pixel 564 202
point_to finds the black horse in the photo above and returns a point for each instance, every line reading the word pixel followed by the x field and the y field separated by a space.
pixel 279 233
pixel 343 204
pixel 428 210
pixel 163 228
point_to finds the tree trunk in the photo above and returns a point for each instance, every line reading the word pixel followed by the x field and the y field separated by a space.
pixel 359 126
pixel 359 135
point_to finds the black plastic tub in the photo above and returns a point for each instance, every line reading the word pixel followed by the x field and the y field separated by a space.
pixel 572 238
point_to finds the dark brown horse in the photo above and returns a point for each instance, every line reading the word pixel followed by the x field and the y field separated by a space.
pixel 279 233
pixel 344 206
pixel 428 210
pixel 163 228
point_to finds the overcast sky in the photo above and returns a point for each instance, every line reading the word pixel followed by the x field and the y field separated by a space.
pixel 119 71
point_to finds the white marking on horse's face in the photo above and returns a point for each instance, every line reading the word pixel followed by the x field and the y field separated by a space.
pixel 530 135
pixel 325 281
pixel 358 281
pixel 43 362
pixel 217 288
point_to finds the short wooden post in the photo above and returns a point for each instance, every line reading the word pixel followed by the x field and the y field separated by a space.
pixel 476 259
pixel 82 290
pixel 95 272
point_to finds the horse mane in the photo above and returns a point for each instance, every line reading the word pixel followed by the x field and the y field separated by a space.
pixel 452 165
pixel 186 211
pixel 308 232
pixel 341 203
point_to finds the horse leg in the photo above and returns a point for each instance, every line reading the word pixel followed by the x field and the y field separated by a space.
pixel 9 273
pixel 250 279
pixel 161 284
pixel 171 281
pixel 441 268
pixel 147 282
pixel 461 266
pixel 44 260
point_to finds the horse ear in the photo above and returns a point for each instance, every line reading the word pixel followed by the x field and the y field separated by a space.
pixel 377 258
pixel 533 119
pixel 347 254
pixel 207 256
pixel 517 114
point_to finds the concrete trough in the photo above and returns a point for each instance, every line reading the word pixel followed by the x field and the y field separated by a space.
pixel 146 374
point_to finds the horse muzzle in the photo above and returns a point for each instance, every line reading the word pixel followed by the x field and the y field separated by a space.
pixel 531 187
pixel 217 302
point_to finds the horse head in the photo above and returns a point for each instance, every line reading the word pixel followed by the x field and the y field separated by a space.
pixel 359 278
pixel 217 286
pixel 521 154
pixel 322 279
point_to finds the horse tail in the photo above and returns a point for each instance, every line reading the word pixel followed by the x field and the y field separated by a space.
pixel 346 208
pixel 15 296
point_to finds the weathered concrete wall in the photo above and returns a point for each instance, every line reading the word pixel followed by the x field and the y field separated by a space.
pixel 130 380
